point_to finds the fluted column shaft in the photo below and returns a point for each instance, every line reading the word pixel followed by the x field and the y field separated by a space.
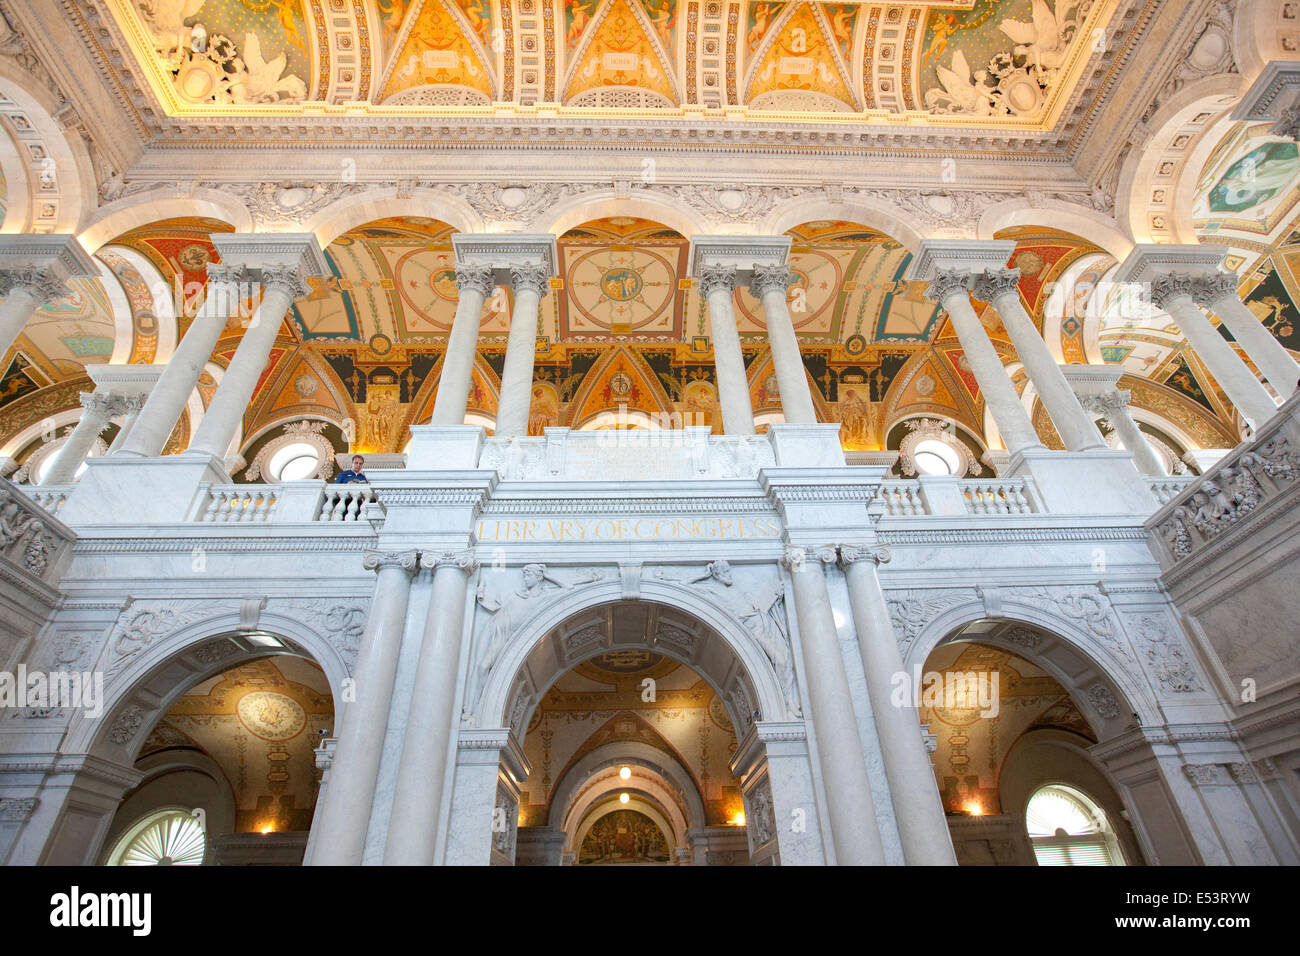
pixel 717 284
pixel 172 391
pixel 949 288
pixel 226 411
pixel 344 814
pixel 1077 431
pixel 422 774
pixel 918 810
pixel 1218 293
pixel 475 284
pixel 839 747
pixel 1173 293
pixel 99 408
pixel 1114 406
pixel 529 283
pixel 769 286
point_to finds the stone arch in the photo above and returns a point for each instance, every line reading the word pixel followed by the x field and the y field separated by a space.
pixel 167 668
pixel 1082 221
pixel 567 807
pixel 500 690
pixel 383 202
pixel 644 204
pixel 1064 649
pixel 57 173
pixel 113 220
pixel 876 214
pixel 1257 32
pixel 1153 199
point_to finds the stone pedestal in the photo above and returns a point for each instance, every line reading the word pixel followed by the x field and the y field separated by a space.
pixel 1084 482
pixel 132 491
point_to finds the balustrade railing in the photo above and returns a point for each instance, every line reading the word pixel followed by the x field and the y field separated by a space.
pixel 901 498
pixel 344 503
pixel 997 496
pixel 1168 487
pixel 240 503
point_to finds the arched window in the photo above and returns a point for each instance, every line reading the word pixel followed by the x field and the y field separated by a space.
pixel 294 462
pixel 170 837
pixel 1067 828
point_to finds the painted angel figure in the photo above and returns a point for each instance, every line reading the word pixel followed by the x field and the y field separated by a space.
pixel 507 614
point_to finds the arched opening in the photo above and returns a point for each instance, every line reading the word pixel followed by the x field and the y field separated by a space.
pixel 635 698
pixel 1013 712
pixel 228 773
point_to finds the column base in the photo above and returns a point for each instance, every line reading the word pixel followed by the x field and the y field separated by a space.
pixel 1084 482
pixel 806 446
pixel 130 491
pixel 440 447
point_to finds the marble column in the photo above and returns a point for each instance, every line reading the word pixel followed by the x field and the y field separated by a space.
pixel 1077 431
pixel 1113 406
pixel 1172 292
pixel 281 285
pixel 100 408
pixel 922 825
pixel 423 772
pixel 34 269
pixel 717 285
pixel 1218 293
pixel 24 291
pixel 949 288
pixel 345 806
pixel 529 283
pixel 474 283
pixel 839 748
pixel 179 378
pixel 769 285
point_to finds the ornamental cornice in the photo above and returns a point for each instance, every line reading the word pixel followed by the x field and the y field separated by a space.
pixel 242 544
pixel 413 497
pixel 1003 534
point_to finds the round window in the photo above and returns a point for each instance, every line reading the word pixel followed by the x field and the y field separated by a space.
pixel 933 457
pixel 294 462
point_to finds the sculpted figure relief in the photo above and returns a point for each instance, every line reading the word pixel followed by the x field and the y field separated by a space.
pixel 508 613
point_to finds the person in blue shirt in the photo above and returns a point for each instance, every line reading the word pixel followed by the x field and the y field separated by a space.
pixel 354 473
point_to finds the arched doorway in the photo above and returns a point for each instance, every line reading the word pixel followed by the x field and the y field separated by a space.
pixel 173 734
pixel 1012 711
pixel 645 699
pixel 236 754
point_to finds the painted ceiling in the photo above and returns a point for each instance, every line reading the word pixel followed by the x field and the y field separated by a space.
pixel 986 61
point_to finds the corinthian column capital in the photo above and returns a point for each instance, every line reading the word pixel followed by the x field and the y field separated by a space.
pixel 1169 286
pixel 717 276
pixel 529 278
pixel 1208 289
pixel 44 285
pixel 475 277
pixel 769 278
pixel 286 279
pixel 947 282
pixel 990 284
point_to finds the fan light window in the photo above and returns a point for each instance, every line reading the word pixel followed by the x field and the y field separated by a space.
pixel 294 462
pixel 1066 828
pixel 933 457
pixel 164 838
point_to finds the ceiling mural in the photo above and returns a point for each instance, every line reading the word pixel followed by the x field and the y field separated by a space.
pixel 260 722
pixel 1249 185
pixel 989 61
